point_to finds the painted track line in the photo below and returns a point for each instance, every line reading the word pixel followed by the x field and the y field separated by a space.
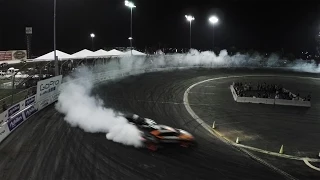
pixel 305 160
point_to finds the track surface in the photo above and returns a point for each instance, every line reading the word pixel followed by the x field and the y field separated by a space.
pixel 46 147
pixel 262 126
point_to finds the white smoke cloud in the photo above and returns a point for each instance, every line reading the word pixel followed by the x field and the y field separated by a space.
pixel 83 110
pixel 205 59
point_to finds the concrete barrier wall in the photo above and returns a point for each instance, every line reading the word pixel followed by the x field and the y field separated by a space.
pixel 255 100
pixel 15 118
pixel 293 103
pixel 4 132
pixel 234 94
pixel 269 101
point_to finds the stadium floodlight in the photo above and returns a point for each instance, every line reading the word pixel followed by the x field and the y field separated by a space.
pixel 131 6
pixel 190 19
pixel 92 35
pixel 213 20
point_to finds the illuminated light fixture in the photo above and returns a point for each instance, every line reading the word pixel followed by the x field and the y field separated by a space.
pixel 213 20
pixel 129 4
pixel 189 18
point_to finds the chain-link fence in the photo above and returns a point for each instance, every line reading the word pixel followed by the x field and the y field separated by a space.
pixel 16 96
pixel 21 82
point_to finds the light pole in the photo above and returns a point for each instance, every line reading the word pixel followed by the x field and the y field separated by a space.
pixel 130 39
pixel 92 36
pixel 190 19
pixel 213 20
pixel 131 6
pixel 56 64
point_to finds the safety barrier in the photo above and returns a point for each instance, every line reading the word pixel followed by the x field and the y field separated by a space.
pixel 234 94
pixel 293 103
pixel 268 101
pixel 13 117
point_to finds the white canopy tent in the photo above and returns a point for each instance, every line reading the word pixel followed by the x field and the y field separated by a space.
pixel 135 52
pixel 100 53
pixel 115 52
pixel 83 53
pixel 49 56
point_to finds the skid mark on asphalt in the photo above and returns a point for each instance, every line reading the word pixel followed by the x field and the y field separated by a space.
pixel 199 93
pixel 239 122
pixel 158 102
pixel 208 86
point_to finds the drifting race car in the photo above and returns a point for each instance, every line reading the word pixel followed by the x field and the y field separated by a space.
pixel 154 136
pixel 160 135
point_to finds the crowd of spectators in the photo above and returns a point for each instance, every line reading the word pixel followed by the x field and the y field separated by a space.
pixel 264 90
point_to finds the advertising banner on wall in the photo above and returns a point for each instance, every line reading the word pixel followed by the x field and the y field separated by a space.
pixel 15 121
pixel 31 100
pixel 14 109
pixel 13 55
pixel 30 111
pixel 48 91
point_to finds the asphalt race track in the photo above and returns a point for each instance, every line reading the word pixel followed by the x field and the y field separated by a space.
pixel 46 147
pixel 262 126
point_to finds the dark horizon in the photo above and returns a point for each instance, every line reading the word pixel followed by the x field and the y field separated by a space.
pixel 265 26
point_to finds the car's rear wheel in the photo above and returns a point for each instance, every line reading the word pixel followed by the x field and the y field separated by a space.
pixel 185 144
pixel 152 146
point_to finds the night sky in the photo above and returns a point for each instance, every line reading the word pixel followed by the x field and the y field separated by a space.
pixel 260 25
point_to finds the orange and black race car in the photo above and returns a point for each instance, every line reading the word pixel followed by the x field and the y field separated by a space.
pixel 159 135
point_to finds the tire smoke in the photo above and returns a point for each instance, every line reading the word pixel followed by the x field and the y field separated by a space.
pixel 83 110
pixel 208 59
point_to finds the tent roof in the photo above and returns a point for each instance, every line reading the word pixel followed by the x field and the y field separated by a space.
pixel 49 56
pixel 114 52
pixel 100 52
pixel 83 53
pixel 135 52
